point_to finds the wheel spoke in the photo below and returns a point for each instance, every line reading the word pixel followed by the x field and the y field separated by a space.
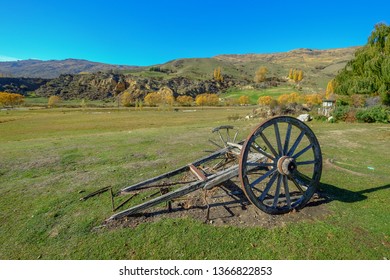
pixel 277 191
pixel 278 140
pixel 296 143
pixel 306 162
pixel 287 140
pixel 268 144
pixel 261 164
pixel 261 151
pixel 261 178
pixel 220 136
pixel 299 187
pixel 286 191
pixel 268 186
pixel 297 155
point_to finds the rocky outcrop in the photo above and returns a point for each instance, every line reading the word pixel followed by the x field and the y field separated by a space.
pixel 104 85
pixel 21 85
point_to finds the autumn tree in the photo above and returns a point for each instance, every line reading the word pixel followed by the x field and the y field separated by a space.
pixel 218 74
pixel 163 97
pixel 11 99
pixel 53 101
pixel 153 98
pixel 329 89
pixel 243 100
pixel 126 99
pixel 207 99
pixel 313 99
pixel 261 74
pixel 265 100
pixel 185 100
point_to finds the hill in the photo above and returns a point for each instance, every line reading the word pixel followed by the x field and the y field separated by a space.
pixel 319 66
pixel 49 69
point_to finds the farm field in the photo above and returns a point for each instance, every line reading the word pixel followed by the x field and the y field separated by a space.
pixel 50 158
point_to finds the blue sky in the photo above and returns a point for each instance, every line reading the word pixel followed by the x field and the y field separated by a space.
pixel 153 32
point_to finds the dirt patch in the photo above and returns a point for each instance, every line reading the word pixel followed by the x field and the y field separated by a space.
pixel 227 206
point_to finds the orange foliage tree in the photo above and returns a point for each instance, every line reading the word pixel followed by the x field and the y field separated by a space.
pixel 207 99
pixel 243 100
pixel 265 100
pixel 11 99
pixel 185 100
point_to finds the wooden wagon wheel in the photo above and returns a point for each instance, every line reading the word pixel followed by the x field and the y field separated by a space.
pixel 289 169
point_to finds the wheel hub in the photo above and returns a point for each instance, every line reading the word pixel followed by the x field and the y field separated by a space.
pixel 286 165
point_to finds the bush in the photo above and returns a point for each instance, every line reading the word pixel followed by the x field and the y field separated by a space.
pixel 373 114
pixel 341 113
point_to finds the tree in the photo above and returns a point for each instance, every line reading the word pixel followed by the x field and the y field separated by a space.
pixel 260 74
pixel 329 89
pixel 153 98
pixel 185 100
pixel 207 99
pixel 265 100
pixel 11 99
pixel 126 99
pixel 369 71
pixel 218 74
pixel 53 101
pixel 243 100
pixel 300 76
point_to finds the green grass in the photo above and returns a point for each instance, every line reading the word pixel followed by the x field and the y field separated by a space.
pixel 43 101
pixel 50 158
pixel 254 94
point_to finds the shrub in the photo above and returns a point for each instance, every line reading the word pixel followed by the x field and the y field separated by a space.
pixel 53 101
pixel 373 114
pixel 340 113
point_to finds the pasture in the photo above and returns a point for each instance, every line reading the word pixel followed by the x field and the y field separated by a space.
pixel 49 158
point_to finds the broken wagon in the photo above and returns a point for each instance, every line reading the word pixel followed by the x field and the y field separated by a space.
pixel 278 165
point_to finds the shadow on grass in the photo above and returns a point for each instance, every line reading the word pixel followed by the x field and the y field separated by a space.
pixel 330 193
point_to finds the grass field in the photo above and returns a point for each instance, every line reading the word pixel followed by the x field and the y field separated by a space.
pixel 51 158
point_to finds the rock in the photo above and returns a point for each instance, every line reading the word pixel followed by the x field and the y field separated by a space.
pixel 304 117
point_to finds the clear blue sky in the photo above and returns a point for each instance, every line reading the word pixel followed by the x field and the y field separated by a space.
pixel 150 32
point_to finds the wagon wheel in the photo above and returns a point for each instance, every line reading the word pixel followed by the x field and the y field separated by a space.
pixel 280 165
pixel 221 138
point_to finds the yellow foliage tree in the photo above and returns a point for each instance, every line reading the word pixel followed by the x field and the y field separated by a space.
pixel 126 99
pixel 300 76
pixel 185 100
pixel 313 99
pixel 243 100
pixel 207 99
pixel 153 98
pixel 293 97
pixel 11 99
pixel 53 101
pixel 265 100
pixel 260 74
pixel 283 99
pixel 218 74
pixel 330 89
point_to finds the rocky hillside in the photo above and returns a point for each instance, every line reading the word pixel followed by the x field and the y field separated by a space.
pixel 103 85
pixel 21 85
pixel 53 68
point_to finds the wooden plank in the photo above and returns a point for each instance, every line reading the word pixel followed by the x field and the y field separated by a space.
pixel 153 202
pixel 198 173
